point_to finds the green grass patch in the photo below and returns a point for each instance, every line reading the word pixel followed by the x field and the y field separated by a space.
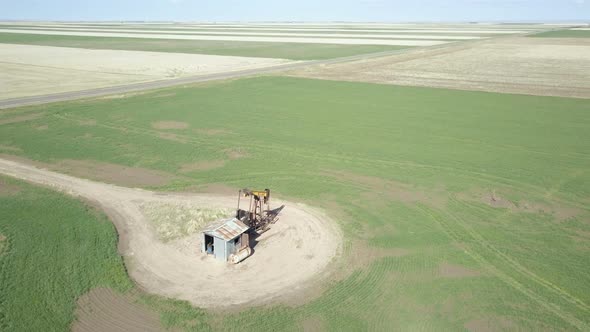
pixel 563 34
pixel 393 165
pixel 59 248
pixel 293 51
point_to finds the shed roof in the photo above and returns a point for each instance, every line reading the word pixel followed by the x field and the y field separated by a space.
pixel 227 229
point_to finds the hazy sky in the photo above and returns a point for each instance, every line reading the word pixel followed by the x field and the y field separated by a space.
pixel 305 10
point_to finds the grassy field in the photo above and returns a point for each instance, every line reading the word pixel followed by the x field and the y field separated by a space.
pixel 55 249
pixel 564 34
pixel 461 209
pixel 293 51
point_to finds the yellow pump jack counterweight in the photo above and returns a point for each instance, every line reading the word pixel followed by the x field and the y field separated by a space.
pixel 258 215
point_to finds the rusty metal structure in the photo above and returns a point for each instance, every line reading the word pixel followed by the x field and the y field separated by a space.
pixel 257 213
pixel 227 240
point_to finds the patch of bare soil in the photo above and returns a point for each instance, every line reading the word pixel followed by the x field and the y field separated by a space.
pixel 447 270
pixel 172 137
pixel 392 190
pixel 106 172
pixel 490 324
pixel 493 199
pixel 113 173
pixel 21 118
pixel 236 153
pixel 7 189
pixel 169 125
pixel 102 309
pixel 536 66
pixel 10 148
pixel 202 166
pixel 216 188
pixel 2 244
pixel 42 127
pixel 291 257
pixel 364 255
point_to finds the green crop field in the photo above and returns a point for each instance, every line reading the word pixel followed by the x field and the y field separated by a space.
pixel 460 209
pixel 564 34
pixel 53 250
pixel 293 51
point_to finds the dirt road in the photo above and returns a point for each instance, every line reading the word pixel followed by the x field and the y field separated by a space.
pixel 292 255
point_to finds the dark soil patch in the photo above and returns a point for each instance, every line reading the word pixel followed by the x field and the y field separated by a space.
pixel 8 189
pixel 172 137
pixel 447 270
pixel 2 243
pixel 21 118
pixel 126 176
pixel 214 188
pixel 113 173
pixel 10 148
pixel 102 309
pixel 495 200
pixel 378 189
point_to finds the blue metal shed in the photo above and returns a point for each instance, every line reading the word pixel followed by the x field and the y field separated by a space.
pixel 224 238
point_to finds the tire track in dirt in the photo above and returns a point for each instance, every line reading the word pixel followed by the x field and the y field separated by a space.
pixel 280 268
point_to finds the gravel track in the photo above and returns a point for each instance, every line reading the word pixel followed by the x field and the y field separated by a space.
pixel 292 256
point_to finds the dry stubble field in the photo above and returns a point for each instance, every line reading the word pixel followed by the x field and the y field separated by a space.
pixel 536 66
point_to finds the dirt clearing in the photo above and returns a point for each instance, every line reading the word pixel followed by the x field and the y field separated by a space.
pixel 102 309
pixel 292 256
pixel 36 70
pixel 536 66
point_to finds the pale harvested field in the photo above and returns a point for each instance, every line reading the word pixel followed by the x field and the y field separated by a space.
pixel 289 258
pixel 282 34
pixel 194 29
pixel 37 70
pixel 327 25
pixel 308 40
pixel 537 66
